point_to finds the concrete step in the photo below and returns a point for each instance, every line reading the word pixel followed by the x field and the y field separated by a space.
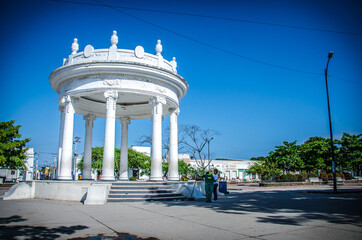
pixel 144 191
pixel 149 195
pixel 137 199
pixel 141 187
pixel 138 183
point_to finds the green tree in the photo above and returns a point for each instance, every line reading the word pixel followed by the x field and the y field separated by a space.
pixel 183 168
pixel 12 149
pixel 351 151
pixel 314 153
pixel 164 168
pixel 139 161
pixel 266 168
pixel 287 157
pixel 97 159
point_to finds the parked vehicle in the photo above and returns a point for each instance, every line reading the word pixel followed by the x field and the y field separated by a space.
pixel 9 175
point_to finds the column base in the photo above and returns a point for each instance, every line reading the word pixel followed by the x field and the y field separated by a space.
pixel 107 178
pixel 173 179
pixel 65 178
pixel 124 179
pixel 156 179
pixel 86 177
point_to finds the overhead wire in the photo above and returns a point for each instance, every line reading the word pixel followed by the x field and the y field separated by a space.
pixel 207 44
pixel 217 17
pixel 117 8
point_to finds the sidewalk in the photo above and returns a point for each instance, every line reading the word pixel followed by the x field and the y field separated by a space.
pixel 291 213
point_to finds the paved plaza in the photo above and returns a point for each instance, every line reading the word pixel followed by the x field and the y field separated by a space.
pixel 252 213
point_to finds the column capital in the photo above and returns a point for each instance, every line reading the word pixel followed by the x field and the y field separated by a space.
pixel 157 100
pixel 65 99
pixel 111 97
pixel 174 110
pixel 157 105
pixel 89 117
pixel 125 120
pixel 68 102
pixel 61 108
pixel 111 94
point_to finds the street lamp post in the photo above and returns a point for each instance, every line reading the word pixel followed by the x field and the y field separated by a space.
pixel 208 149
pixel 330 54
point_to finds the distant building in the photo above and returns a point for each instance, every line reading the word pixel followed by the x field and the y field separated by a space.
pixel 12 175
pixel 230 169
pixel 28 175
pixel 145 150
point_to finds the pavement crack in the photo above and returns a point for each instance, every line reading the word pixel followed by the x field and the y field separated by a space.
pixel 98 221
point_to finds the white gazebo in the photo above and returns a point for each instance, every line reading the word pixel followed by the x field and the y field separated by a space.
pixel 119 84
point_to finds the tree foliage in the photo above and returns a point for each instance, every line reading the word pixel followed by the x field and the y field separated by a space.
pixel 265 168
pixel 12 149
pixel 351 151
pixel 136 160
pixel 311 156
pixel 314 153
pixel 287 157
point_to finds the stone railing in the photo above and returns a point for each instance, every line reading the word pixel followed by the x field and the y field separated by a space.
pixel 137 56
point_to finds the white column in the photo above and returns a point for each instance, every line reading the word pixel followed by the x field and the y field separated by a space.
pixel 173 164
pixel 123 171
pixel 109 136
pixel 87 158
pixel 61 109
pixel 65 170
pixel 156 159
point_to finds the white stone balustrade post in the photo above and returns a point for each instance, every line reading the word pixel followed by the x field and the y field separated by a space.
pixel 87 158
pixel 156 158
pixel 109 136
pixel 173 174
pixel 123 171
pixel 65 171
pixel 61 109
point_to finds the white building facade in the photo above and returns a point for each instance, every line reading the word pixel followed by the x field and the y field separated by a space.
pixel 230 169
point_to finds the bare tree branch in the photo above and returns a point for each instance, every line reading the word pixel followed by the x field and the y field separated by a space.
pixel 195 139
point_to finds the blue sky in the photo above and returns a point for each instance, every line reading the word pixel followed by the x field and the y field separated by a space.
pixel 253 106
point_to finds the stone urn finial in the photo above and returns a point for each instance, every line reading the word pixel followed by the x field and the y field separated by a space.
pixel 114 39
pixel 174 64
pixel 75 46
pixel 158 48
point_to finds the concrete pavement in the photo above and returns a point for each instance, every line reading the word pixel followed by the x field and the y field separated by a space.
pixel 284 213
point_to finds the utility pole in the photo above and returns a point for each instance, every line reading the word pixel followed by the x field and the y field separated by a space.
pixel 55 162
pixel 76 140
pixel 208 150
pixel 36 165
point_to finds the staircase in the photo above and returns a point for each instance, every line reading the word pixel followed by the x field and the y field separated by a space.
pixel 143 191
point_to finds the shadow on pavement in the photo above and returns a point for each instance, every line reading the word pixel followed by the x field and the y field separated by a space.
pixel 294 207
pixel 32 232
